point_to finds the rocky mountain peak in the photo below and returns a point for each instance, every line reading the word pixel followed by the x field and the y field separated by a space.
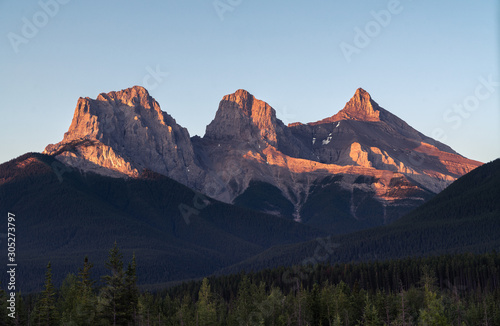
pixel 242 116
pixel 360 107
pixel 98 118
pixel 125 132
pixel 136 96
pixel 242 100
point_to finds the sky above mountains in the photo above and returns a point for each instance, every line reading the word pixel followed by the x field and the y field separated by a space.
pixel 433 64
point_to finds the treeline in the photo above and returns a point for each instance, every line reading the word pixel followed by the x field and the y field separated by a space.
pixel 78 301
pixel 444 290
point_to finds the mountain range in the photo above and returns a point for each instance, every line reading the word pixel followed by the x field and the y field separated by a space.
pixel 364 165
pixel 252 192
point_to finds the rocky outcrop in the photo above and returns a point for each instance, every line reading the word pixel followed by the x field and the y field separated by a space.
pixel 125 132
pixel 360 107
pixel 242 117
pixel 365 134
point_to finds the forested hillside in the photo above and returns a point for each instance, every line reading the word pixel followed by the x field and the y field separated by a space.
pixel 63 214
pixel 465 217
pixel 443 290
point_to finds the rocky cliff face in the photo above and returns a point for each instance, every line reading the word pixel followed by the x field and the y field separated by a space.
pixel 361 167
pixel 382 166
pixel 364 134
pixel 242 118
pixel 122 133
pixel 360 107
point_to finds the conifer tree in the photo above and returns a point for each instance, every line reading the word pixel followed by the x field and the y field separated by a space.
pixel 131 291
pixel 85 281
pixel 68 298
pixel 370 314
pixel 86 305
pixel 46 306
pixel 205 307
pixel 144 308
pixel 244 303
pixel 337 321
pixel 433 313
pixel 185 313
pixel 21 311
pixel 112 300
pixel 4 318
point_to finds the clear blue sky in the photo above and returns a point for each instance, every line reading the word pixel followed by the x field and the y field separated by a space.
pixel 421 61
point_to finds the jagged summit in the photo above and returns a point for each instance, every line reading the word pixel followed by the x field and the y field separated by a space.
pixel 242 99
pixel 131 92
pixel 242 116
pixel 133 97
pixel 360 107
pixel 97 118
pixel 124 132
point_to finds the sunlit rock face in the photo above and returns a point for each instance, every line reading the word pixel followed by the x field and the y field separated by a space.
pixel 122 133
pixel 241 118
pixel 402 167
pixel 364 134
pixel 365 165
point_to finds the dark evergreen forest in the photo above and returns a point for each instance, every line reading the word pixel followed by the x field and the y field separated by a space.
pixel 458 289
